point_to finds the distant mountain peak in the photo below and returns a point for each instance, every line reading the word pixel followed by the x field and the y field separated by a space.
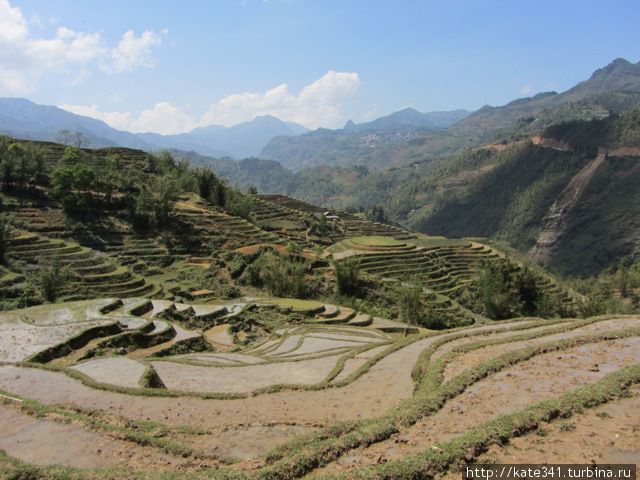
pixel 265 118
pixel 407 110
pixel 618 66
pixel 409 117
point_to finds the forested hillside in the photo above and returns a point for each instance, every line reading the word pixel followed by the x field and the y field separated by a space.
pixel 596 226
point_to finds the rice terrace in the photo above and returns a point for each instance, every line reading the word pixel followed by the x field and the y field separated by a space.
pixel 208 273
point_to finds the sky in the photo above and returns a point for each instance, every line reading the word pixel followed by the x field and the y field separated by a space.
pixel 170 66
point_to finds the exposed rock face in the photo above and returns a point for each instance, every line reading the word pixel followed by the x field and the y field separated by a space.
pixel 555 222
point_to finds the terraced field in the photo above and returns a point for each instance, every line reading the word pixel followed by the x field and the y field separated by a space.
pixel 209 224
pixel 289 223
pixel 348 225
pixel 181 367
pixel 445 269
pixel 92 273
pixel 318 398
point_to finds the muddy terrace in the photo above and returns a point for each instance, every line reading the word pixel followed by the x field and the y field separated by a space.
pixel 144 388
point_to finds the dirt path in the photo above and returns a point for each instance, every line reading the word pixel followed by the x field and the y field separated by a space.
pixel 45 442
pixel 535 380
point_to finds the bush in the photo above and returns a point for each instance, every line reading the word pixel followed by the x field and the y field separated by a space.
pixel 506 290
pixel 348 280
pixel 50 278
pixel 280 276
pixel 409 304
pixel 239 205
pixel 5 234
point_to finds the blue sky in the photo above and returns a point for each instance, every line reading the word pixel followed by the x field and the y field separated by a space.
pixel 168 66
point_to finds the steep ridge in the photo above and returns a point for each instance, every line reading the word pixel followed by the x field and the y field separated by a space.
pixel 555 222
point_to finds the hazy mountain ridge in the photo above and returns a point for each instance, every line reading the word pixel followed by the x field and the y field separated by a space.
pixel 246 139
pixel 410 118
pixel 22 118
pixel 350 146
pixel 377 144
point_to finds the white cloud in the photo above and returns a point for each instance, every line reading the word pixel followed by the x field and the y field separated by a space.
pixel 318 104
pixel 24 60
pixel 163 118
pixel 68 47
pixel 13 26
pixel 119 120
pixel 133 52
pixel 526 90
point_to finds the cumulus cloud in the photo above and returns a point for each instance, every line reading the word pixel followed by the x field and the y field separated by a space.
pixel 163 118
pixel 318 104
pixel 133 52
pixel 13 26
pixel 24 60
pixel 119 120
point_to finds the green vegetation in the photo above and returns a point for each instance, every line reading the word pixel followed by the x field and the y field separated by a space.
pixel 506 291
pixel 330 329
pixel 50 279
pixel 587 135
pixel 409 305
pixel 348 277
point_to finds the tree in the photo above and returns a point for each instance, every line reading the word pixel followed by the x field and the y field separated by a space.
pixel 79 139
pixel 6 228
pixel 7 171
pixel 377 214
pixel 409 304
pixel 21 164
pixel 71 155
pixel 50 279
pixel 348 277
pixel 155 201
pixel 64 136
pixel 239 205
pixel 497 296
pixel 62 183
pixel 283 277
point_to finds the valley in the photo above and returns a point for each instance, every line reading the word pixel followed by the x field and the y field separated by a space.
pixel 279 240
pixel 169 324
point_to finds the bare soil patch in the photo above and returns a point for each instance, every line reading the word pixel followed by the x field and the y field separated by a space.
pixel 45 442
pixel 608 433
pixel 535 380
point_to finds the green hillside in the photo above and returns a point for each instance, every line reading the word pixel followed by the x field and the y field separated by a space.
pixel 513 200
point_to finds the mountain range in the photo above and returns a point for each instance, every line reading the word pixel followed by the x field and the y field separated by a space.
pixel 21 118
pixel 510 172
pixel 609 89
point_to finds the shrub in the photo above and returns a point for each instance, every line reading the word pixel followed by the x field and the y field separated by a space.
pixel 5 233
pixel 409 304
pixel 282 277
pixel 348 280
pixel 50 278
